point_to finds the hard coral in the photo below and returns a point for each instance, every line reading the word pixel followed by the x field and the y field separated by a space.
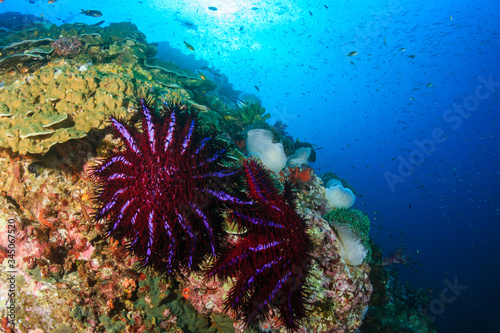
pixel 67 46
pixel 159 191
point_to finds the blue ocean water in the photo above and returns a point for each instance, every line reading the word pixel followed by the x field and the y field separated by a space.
pixel 401 97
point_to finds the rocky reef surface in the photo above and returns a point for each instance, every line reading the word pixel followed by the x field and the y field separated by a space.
pixel 58 85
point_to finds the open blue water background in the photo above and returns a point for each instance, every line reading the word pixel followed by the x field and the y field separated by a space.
pixel 408 121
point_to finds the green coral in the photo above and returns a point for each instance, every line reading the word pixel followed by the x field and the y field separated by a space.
pixel 253 113
pixel 235 123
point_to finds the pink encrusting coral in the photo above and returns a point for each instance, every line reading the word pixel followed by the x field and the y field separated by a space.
pixel 346 288
pixel 51 236
pixel 67 46
pixel 206 296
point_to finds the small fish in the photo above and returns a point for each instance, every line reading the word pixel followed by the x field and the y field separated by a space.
pixel 411 56
pixel 402 49
pixel 310 13
pixel 352 54
pixel 52 1
pixel 203 77
pixel 36 168
pixel 213 8
pixel 93 13
pixel 254 8
pixel 98 23
pixel 385 43
pixel 429 85
pixel 188 25
pixel 412 98
pixel 86 215
pixel 240 104
pixel 257 88
pixel 189 46
pixel 409 206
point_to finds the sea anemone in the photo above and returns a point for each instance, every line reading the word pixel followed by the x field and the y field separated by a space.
pixel 164 189
pixel 340 197
pixel 260 144
pixel 272 259
pixel 301 156
pixel 352 250
pixel 353 218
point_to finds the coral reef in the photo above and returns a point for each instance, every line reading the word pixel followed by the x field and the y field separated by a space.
pixel 340 292
pixel 73 277
pixel 300 156
pixel 394 306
